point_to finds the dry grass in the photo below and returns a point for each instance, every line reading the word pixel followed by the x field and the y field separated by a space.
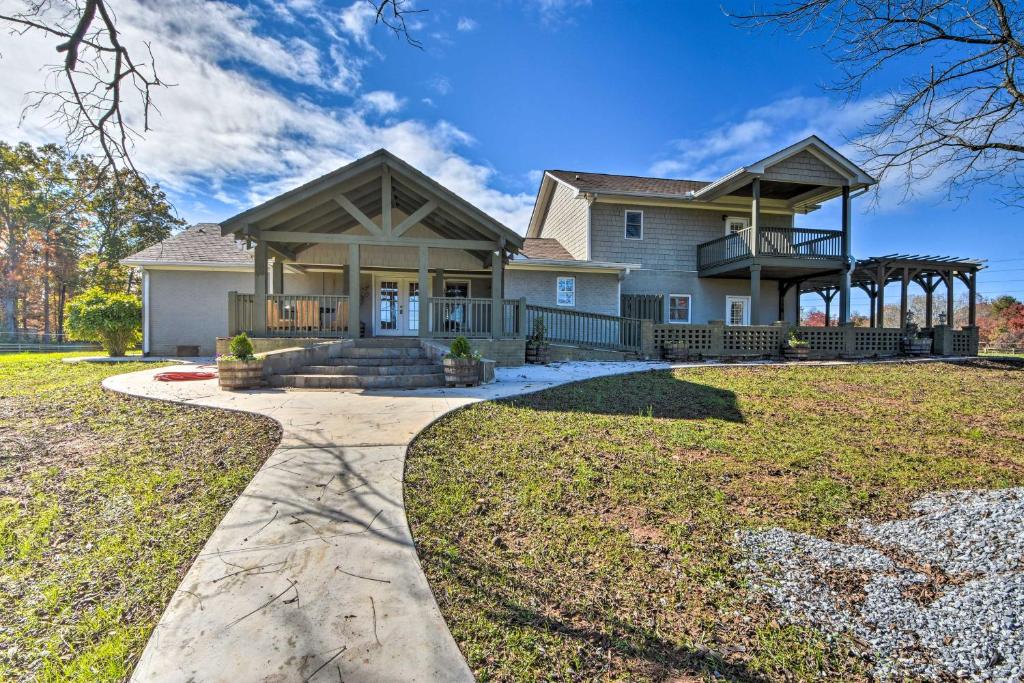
pixel 586 532
pixel 105 501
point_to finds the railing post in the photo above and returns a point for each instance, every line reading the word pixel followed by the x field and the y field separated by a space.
pixel 232 314
pixel 717 343
pixel 849 341
pixel 521 331
pixel 647 349
pixel 259 297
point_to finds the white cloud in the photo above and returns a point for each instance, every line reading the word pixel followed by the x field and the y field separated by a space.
pixel 382 101
pixel 224 135
pixel 466 24
pixel 357 20
pixel 554 12
pixel 441 85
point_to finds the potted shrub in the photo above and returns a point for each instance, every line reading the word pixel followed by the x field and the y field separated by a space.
pixel 676 351
pixel 240 369
pixel 796 348
pixel 915 342
pixel 461 364
pixel 114 320
pixel 537 350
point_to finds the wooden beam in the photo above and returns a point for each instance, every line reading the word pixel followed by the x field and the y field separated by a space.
pixel 354 211
pixel 329 238
pixel 385 201
pixel 353 291
pixel 414 218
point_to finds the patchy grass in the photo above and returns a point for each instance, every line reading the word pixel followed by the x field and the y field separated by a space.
pixel 586 532
pixel 105 501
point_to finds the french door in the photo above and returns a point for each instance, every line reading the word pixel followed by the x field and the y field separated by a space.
pixel 737 310
pixel 396 304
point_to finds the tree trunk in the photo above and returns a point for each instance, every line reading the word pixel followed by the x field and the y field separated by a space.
pixel 46 285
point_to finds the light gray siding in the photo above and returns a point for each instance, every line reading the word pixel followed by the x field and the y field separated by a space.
pixel 595 292
pixel 670 236
pixel 566 221
pixel 190 307
pixel 707 295
pixel 804 168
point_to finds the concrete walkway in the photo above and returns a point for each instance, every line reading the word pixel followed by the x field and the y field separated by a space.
pixel 312 574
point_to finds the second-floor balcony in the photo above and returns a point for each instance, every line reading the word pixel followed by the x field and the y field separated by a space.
pixel 777 248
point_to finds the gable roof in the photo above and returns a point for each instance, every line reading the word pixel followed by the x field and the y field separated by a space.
pixel 628 184
pixel 313 203
pixel 200 244
pixel 545 248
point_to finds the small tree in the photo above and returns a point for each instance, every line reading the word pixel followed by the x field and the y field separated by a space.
pixel 113 320
pixel 241 347
pixel 460 348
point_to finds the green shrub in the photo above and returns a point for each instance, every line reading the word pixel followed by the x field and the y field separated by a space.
pixel 538 330
pixel 241 347
pixel 795 341
pixel 460 348
pixel 113 320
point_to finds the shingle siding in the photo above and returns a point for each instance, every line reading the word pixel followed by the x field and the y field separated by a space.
pixel 804 168
pixel 566 221
pixel 595 292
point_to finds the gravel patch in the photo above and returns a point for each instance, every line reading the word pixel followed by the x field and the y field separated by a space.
pixel 935 596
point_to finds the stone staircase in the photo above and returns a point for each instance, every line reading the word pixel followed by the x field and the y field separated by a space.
pixel 371 363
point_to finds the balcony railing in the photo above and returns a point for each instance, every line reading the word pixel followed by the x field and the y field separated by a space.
pixel 799 243
pixel 593 330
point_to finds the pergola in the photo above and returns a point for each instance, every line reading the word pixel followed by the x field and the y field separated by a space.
pixel 873 274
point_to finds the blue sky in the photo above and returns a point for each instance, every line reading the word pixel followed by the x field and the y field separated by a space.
pixel 274 92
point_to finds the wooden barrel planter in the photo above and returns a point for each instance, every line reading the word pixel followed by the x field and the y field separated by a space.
pixel 461 372
pixel 796 352
pixel 240 374
pixel 538 354
pixel 917 347
pixel 676 354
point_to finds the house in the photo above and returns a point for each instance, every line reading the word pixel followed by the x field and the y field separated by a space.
pixel 350 253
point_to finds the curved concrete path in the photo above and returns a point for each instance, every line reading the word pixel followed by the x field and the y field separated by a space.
pixel 312 574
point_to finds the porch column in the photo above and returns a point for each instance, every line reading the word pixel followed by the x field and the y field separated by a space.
pixel 259 290
pixel 871 307
pixel 755 294
pixel 904 286
pixel 881 296
pixel 755 214
pixel 949 299
pixel 828 309
pixel 438 282
pixel 929 318
pixel 497 308
pixel 353 291
pixel 278 278
pixel 846 277
pixel 972 300
pixel 423 324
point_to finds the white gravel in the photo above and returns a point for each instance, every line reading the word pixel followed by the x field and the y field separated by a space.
pixel 972 630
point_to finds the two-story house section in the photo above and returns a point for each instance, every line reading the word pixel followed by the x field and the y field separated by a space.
pixel 725 249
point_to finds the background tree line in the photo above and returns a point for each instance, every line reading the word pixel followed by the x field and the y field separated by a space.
pixel 66 221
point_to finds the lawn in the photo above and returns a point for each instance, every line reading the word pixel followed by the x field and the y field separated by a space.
pixel 588 531
pixel 104 502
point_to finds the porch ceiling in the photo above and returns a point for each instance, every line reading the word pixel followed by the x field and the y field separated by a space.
pixel 776 189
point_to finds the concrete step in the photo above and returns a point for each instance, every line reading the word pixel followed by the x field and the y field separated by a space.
pixel 306 381
pixel 387 343
pixel 425 369
pixel 377 362
pixel 381 352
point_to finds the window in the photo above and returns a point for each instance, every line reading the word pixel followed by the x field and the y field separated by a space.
pixel 634 225
pixel 737 310
pixel 679 308
pixel 456 289
pixel 565 291
pixel 733 224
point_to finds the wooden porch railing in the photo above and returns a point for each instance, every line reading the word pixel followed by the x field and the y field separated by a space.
pixel 801 243
pixel 595 330
pixel 459 317
pixel 292 315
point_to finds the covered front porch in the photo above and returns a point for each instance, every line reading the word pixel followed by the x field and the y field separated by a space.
pixel 374 249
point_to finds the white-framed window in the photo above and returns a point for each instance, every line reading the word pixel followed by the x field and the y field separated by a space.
pixel 634 225
pixel 679 308
pixel 734 224
pixel 565 291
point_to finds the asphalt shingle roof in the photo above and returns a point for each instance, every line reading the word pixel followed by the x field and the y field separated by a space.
pixel 201 243
pixel 628 184
pixel 545 248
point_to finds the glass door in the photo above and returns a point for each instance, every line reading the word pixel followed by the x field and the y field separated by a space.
pixel 389 307
pixel 412 307
pixel 737 310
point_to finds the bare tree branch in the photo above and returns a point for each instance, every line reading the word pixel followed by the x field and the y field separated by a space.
pixel 958 113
